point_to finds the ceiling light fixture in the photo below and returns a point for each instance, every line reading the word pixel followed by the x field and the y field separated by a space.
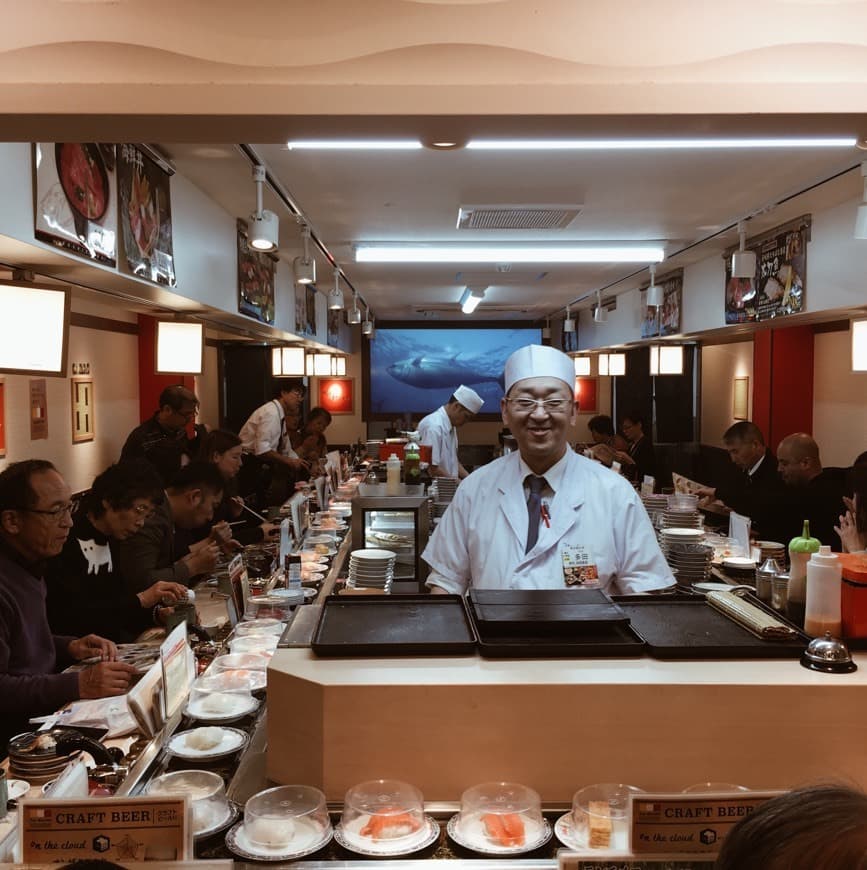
pixel 657 144
pixel 305 266
pixel 861 215
pixel 602 364
pixel 600 315
pixel 666 359
pixel 335 297
pixel 354 145
pixel 353 316
pixel 338 366
pixel 654 291
pixel 546 329
pixel 859 345
pixel 568 323
pixel 471 298
pixel 613 252
pixel 322 364
pixel 616 364
pixel 743 261
pixel 287 362
pixel 263 228
pixel 582 366
pixel 367 325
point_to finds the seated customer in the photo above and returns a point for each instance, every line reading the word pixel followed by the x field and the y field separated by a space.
pixel 35 519
pixel 602 432
pixel 815 493
pixel 152 554
pixel 85 593
pixel 162 440
pixel 820 827
pixel 852 530
pixel 224 449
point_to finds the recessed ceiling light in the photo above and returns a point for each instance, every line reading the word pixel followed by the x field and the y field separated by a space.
pixel 591 253
pixel 354 144
pixel 655 144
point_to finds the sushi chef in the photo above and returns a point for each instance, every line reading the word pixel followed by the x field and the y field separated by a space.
pixel 543 517
pixel 439 431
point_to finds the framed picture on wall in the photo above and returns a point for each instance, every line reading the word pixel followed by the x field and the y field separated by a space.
pixel 255 279
pixel 337 395
pixel 82 410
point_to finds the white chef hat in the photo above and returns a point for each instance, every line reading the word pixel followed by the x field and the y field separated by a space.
pixel 470 399
pixel 538 361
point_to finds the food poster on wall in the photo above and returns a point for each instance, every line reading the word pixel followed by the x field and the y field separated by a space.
pixel 310 327
pixel 145 216
pixel 780 282
pixel 76 198
pixel 255 280
pixel 300 309
pixel 666 319
pixel 782 271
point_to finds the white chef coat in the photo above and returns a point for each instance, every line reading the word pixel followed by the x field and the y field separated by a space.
pixel 481 537
pixel 437 432
pixel 263 431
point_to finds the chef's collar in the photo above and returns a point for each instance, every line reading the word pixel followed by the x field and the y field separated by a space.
pixel 554 475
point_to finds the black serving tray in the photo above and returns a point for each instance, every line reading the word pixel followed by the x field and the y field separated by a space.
pixel 689 628
pixel 384 625
pixel 548 611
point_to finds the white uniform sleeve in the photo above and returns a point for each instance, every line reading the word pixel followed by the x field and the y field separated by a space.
pixel 446 551
pixel 641 565
pixel 268 432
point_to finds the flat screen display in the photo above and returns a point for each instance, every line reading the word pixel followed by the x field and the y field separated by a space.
pixel 412 370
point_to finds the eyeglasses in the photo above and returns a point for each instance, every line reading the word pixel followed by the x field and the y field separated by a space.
pixel 56 513
pixel 524 405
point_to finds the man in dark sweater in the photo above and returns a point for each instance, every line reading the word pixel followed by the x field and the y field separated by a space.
pixel 86 592
pixel 35 519
pixel 163 440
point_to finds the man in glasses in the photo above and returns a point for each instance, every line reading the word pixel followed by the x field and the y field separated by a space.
pixel 86 591
pixel 163 439
pixel 35 519
pixel 439 430
pixel 543 517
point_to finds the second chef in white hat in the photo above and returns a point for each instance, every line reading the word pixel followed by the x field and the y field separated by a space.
pixel 543 517
pixel 439 431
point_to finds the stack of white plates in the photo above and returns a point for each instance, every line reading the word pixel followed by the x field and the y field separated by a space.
pixel 446 488
pixel 679 518
pixel 655 505
pixel 691 561
pixel 668 537
pixel 371 569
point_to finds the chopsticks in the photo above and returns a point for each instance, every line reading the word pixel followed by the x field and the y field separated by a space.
pixel 257 515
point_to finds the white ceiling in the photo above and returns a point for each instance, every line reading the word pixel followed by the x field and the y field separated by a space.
pixel 679 198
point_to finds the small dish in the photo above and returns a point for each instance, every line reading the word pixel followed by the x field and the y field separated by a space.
pixel 240 706
pixel 16 788
pixel 240 844
pixel 427 836
pixel 231 741
pixel 480 844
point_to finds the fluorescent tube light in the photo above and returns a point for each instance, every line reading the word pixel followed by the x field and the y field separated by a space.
pixel 656 144
pixel 470 300
pixel 354 145
pixel 595 253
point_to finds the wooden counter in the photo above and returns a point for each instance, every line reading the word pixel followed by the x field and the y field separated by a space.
pixel 444 724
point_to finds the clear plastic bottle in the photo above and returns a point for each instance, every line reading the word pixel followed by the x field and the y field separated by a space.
pixel 824 589
pixel 392 478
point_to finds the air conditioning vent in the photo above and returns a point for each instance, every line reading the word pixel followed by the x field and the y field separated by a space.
pixel 517 217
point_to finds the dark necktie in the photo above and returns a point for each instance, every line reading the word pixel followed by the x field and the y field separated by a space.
pixel 534 509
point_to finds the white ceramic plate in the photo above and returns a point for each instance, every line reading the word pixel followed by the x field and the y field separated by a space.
pixel 16 788
pixel 478 842
pixel 244 707
pixel 564 828
pixel 240 844
pixel 231 816
pixel 354 841
pixel 232 740
pixel 371 554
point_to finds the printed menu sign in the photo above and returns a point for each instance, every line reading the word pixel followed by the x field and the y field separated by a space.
pixel 568 861
pixel 682 823
pixel 112 829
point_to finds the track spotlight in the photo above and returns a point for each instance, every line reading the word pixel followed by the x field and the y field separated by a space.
pixel 600 315
pixel 568 323
pixel 654 291
pixel 471 298
pixel 353 316
pixel 861 215
pixel 335 297
pixel 263 228
pixel 305 266
pixel 743 261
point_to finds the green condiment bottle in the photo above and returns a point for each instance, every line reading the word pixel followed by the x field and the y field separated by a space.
pixel 800 550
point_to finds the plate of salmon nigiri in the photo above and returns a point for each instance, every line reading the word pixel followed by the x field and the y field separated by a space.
pixel 498 833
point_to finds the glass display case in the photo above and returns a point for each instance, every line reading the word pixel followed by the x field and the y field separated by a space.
pixel 397 523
